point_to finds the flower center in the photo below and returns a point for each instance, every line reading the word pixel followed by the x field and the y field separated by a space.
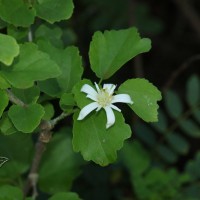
pixel 103 98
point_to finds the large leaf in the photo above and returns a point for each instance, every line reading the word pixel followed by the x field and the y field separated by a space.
pixel 65 196
pixel 26 119
pixel 33 65
pixel 4 101
pixel 8 192
pixel 60 164
pixel 97 143
pixel 9 48
pixel 18 148
pixel 144 96
pixel 17 12
pixel 112 49
pixel 54 10
pixel 70 64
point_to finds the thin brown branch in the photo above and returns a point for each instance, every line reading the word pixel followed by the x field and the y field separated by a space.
pixel 179 71
pixel 190 14
pixel 15 100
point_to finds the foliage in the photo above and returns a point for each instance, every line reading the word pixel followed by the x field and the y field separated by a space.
pixel 42 76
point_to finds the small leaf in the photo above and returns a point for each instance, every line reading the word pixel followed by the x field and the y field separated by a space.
pixel 173 104
pixel 17 12
pixel 19 33
pixel 67 101
pixel 8 192
pixel 33 65
pixel 135 158
pixel 65 196
pixel 9 48
pixel 178 143
pixel 193 90
pixel 193 166
pixel 29 95
pixel 3 101
pixel 49 111
pixel 54 10
pixel 3 83
pixel 60 164
pixel 52 34
pixel 26 119
pixel 6 126
pixel 110 50
pixel 167 154
pixel 190 128
pixel 145 133
pixel 144 96
pixel 100 144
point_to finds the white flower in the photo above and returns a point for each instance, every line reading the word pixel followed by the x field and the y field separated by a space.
pixel 103 98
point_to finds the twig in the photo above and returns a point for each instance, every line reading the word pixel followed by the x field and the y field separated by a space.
pixel 15 100
pixel 182 68
pixel 190 14
pixel 44 138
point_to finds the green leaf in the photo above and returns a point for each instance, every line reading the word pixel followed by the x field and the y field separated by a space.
pixel 65 196
pixel 67 101
pixel 167 154
pixel 193 90
pixel 70 63
pixel 52 34
pixel 54 10
pixel 9 48
pixel 110 50
pixel 18 148
pixel 190 128
pixel 60 165
pixel 178 143
pixel 19 33
pixel 17 12
pixel 100 144
pixel 144 96
pixel 193 166
pixel 145 133
pixel 33 65
pixel 4 101
pixel 6 126
pixel 135 158
pixel 173 104
pixel 29 95
pixel 49 111
pixel 79 96
pixel 8 192
pixel 26 119
pixel 3 83
pixel 161 125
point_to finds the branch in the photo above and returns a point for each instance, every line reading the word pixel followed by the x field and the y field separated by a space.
pixel 44 138
pixel 180 70
pixel 190 14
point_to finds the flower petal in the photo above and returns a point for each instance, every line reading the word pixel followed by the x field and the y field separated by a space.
pixel 87 110
pixel 110 88
pixel 97 87
pixel 110 116
pixel 115 107
pixel 90 91
pixel 122 98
